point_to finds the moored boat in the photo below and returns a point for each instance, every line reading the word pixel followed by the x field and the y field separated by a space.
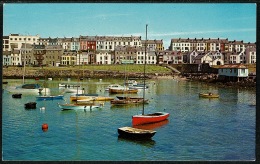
pixel 139 86
pixel 135 133
pixel 30 105
pixel 114 86
pixel 152 117
pixel 82 96
pixel 208 95
pixel 129 102
pixel 132 98
pixel 103 98
pixel 79 107
pixel 66 85
pixel 17 95
pixel 125 90
pixel 28 88
pixel 149 118
pixel 46 97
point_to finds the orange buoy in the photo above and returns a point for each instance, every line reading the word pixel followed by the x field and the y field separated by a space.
pixel 44 127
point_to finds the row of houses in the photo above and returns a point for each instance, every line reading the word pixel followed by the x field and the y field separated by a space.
pixel 33 50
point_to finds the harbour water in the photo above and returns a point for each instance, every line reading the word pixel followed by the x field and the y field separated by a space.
pixel 198 129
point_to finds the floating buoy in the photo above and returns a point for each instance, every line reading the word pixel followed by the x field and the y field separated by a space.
pixel 44 127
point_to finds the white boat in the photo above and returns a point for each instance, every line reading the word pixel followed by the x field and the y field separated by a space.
pixel 66 85
pixel 114 86
pixel 28 88
pixel 139 86
pixel 79 107
pixel 72 90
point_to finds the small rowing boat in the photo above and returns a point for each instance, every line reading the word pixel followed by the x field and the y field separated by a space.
pixel 208 95
pixel 135 133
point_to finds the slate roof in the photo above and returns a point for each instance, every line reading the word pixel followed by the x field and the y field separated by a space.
pixel 233 66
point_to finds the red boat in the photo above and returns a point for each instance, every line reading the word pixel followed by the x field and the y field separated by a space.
pixel 149 118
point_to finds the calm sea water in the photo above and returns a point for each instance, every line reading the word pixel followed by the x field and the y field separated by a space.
pixel 197 129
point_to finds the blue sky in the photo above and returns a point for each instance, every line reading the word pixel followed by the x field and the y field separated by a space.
pixel 235 21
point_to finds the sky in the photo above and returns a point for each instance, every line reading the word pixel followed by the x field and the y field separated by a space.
pixel 235 21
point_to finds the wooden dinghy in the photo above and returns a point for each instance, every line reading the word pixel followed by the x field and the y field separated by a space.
pixel 208 95
pixel 135 133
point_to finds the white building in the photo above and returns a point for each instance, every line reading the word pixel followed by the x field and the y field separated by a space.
pixel 109 43
pixel 233 72
pixel 251 55
pixel 16 40
pixel 103 57
pixel 7 58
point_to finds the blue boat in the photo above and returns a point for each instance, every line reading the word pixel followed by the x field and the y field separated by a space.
pixel 49 97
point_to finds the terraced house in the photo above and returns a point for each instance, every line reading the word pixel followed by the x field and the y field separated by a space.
pixel 115 49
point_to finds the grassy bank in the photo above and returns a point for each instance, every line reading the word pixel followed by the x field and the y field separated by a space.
pixel 120 68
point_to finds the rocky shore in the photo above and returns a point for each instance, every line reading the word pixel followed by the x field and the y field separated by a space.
pixel 212 79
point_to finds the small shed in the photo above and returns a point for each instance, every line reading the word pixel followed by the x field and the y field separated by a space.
pixel 232 72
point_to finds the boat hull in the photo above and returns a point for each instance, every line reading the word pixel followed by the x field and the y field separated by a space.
pixel 134 133
pixel 149 118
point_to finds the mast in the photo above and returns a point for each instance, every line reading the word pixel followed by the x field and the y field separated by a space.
pixel 144 66
pixel 24 59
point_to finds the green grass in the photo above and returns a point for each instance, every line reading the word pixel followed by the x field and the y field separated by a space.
pixel 121 68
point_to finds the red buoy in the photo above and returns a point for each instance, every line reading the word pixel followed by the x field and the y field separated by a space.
pixel 44 127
